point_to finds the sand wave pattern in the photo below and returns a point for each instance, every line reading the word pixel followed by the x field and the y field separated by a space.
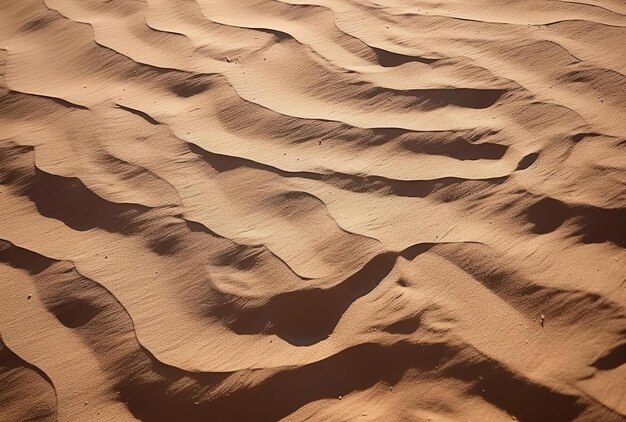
pixel 321 210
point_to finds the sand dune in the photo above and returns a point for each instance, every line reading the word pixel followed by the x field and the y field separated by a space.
pixel 324 210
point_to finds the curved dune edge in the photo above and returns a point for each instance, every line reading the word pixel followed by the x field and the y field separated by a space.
pixel 27 392
pixel 312 210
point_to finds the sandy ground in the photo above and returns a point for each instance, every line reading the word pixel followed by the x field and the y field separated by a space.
pixel 321 210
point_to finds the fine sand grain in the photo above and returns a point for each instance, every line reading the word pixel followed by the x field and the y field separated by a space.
pixel 321 210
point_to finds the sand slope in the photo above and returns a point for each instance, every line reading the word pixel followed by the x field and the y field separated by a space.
pixel 324 210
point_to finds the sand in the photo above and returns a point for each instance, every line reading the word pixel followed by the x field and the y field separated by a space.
pixel 321 210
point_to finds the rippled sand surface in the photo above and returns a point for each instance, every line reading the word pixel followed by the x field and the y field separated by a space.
pixel 321 210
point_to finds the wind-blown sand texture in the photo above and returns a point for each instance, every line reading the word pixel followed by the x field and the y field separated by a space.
pixel 322 210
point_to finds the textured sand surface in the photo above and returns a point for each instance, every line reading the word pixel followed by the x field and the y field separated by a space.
pixel 322 210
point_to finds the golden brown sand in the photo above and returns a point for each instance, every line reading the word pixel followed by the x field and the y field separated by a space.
pixel 322 210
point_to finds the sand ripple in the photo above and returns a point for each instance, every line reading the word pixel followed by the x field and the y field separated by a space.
pixel 312 210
